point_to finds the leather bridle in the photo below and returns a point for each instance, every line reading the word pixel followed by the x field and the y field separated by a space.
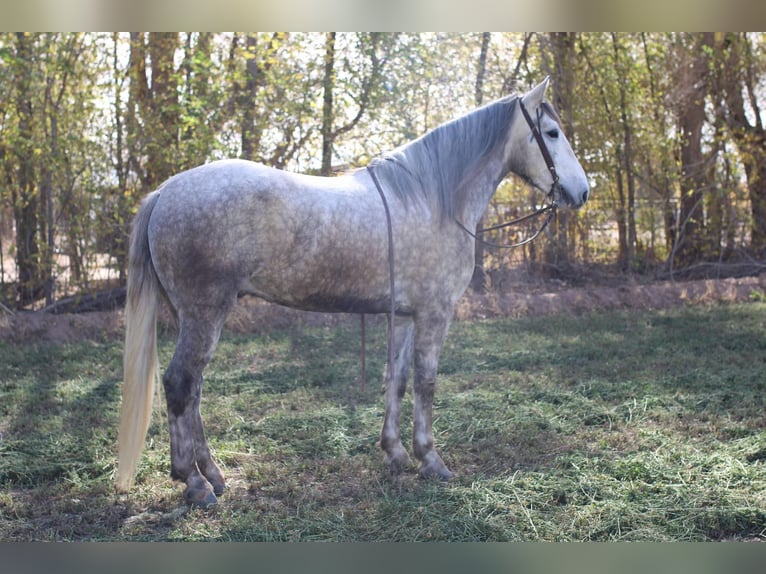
pixel 535 127
pixel 551 195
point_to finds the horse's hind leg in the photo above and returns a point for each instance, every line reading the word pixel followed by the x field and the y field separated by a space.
pixel 190 459
pixel 396 456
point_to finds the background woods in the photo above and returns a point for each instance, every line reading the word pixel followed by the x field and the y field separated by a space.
pixel 668 127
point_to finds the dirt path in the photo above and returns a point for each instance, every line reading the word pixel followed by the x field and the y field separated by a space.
pixel 254 316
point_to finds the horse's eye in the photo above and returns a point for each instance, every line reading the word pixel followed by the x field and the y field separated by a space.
pixel 553 133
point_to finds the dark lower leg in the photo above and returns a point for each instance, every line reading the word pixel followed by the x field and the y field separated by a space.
pixel 204 459
pixel 396 456
pixel 431 464
pixel 182 392
pixel 430 336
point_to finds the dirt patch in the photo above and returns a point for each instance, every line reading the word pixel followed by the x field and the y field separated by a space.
pixel 254 316
pixel 34 326
pixel 659 295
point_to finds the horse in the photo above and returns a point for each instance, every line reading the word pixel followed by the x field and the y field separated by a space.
pixel 393 238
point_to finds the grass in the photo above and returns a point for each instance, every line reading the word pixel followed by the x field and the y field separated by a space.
pixel 606 426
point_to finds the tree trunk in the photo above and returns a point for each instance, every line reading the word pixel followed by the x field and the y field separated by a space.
pixel 121 169
pixel 738 75
pixel 629 212
pixel 25 194
pixel 257 64
pixel 480 277
pixel 328 85
pixel 164 113
pixel 558 249
pixel 368 85
pixel 138 96
pixel 621 211
pixel 691 119
pixel 247 100
pixel 198 136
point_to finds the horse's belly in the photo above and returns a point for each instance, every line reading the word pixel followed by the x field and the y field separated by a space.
pixel 327 302
pixel 346 288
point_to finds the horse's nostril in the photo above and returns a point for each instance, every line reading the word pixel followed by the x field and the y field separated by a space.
pixel 584 196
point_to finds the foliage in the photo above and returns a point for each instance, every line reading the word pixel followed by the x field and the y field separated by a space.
pixel 607 426
pixel 667 125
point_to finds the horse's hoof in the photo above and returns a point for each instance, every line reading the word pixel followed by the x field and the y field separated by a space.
pixel 218 488
pixel 435 469
pixel 199 493
pixel 397 462
pixel 215 477
pixel 197 498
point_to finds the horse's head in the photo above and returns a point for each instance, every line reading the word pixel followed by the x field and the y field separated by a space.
pixel 559 174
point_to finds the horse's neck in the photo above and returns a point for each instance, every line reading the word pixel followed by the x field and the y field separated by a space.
pixel 482 190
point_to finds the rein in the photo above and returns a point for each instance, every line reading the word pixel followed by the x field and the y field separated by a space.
pixel 551 208
pixel 391 283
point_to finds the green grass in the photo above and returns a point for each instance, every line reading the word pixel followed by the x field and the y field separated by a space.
pixel 607 426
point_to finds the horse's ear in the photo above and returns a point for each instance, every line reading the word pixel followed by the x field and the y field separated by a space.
pixel 534 97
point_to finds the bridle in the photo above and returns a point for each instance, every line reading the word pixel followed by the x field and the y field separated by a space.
pixel 551 195
pixel 535 127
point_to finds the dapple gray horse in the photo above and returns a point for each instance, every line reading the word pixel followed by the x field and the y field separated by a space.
pixel 322 244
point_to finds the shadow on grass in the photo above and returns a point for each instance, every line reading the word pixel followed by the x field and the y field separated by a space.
pixel 604 426
pixel 60 404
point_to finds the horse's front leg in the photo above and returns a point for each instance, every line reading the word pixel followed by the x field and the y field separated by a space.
pixel 396 456
pixel 430 333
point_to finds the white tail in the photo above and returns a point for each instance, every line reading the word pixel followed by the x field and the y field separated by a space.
pixel 140 363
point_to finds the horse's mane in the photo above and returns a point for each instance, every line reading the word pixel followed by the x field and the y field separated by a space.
pixel 440 166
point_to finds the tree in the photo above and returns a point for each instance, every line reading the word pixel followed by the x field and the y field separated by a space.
pixel 162 110
pixel 22 174
pixel 691 90
pixel 625 166
pixel 654 147
pixel 258 63
pixel 668 127
pixel 479 279
pixel 366 85
pixel 201 101
pixel 122 202
pixel 154 112
pixel 562 46
pixel 738 70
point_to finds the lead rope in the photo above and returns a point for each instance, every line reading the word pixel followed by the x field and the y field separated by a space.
pixel 392 284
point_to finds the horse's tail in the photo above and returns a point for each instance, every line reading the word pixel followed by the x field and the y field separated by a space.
pixel 140 363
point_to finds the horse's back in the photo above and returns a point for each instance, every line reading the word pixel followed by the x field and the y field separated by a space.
pixel 228 188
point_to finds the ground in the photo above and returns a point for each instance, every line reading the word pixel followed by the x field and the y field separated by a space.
pixel 585 424
pixel 514 299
